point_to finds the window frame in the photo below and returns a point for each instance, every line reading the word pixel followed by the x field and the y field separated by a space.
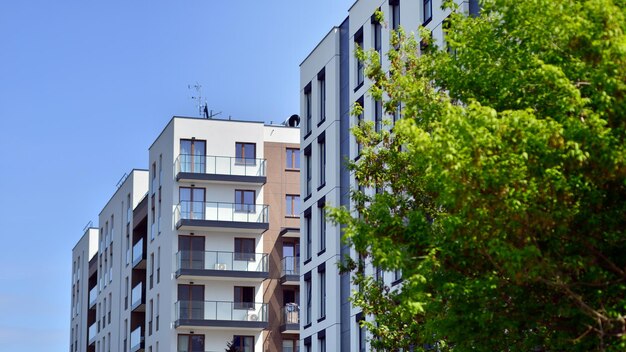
pixel 292 205
pixel 242 159
pixel 240 293
pixel 242 207
pixel 240 244
pixel 292 157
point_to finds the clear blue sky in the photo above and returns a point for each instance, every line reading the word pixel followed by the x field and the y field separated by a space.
pixel 86 86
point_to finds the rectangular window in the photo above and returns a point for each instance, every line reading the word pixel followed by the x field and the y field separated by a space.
pixel 359 122
pixel 307 234
pixel 362 342
pixel 244 249
pixel 245 201
pixel 377 34
pixel 244 297
pixel 192 156
pixel 322 161
pixel 243 343
pixel 190 343
pixel 396 113
pixel 292 205
pixel 395 14
pixel 245 153
pixel 151 278
pixel 293 158
pixel 158 265
pixel 321 83
pixel 428 11
pixel 307 109
pixel 150 316
pixel 358 43
pixel 378 115
pixel 321 342
pixel 309 298
pixel 322 292
pixel 158 309
pixel 322 223
pixel 152 216
pixel 308 171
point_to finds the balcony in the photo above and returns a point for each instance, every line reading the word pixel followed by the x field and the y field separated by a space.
pixel 198 216
pixel 290 319
pixel 136 340
pixel 223 265
pixel 139 259
pixel 91 333
pixel 138 299
pixel 222 169
pixel 213 314
pixel 290 274
pixel 93 296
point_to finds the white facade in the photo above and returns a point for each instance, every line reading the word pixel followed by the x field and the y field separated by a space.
pixel 83 252
pixel 334 62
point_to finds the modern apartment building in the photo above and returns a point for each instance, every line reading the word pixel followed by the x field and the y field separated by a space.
pixel 200 250
pixel 332 79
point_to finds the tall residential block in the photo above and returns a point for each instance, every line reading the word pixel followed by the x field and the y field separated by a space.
pixel 200 250
pixel 332 80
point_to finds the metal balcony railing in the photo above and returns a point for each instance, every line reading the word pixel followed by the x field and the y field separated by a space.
pixel 290 314
pixel 225 311
pixel 218 260
pixel 216 211
pixel 290 265
pixel 219 165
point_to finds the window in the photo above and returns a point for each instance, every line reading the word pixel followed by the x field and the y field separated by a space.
pixel 190 343
pixel 362 342
pixel 322 219
pixel 292 205
pixel 377 34
pixel 244 297
pixel 395 14
pixel 151 278
pixel 192 203
pixel 150 316
pixel 158 304
pixel 245 201
pixel 307 109
pixel 244 249
pixel 322 292
pixel 397 276
pixel 359 122
pixel 243 343
pixel 428 11
pixel 307 234
pixel 293 158
pixel 358 43
pixel 191 301
pixel 322 161
pixel 308 171
pixel 321 342
pixel 191 252
pixel 321 83
pixel 245 153
pixel 192 155
pixel 158 265
pixel 396 112
pixel 309 298
pixel 152 216
pixel 126 295
pixel 378 115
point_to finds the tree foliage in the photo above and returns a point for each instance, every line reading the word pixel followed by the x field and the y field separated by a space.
pixel 504 199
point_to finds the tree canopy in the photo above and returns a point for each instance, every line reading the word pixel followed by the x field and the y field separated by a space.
pixel 503 186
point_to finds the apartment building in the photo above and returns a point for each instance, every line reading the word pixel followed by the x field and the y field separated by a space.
pixel 201 250
pixel 332 79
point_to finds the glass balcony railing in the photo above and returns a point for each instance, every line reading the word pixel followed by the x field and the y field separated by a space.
pixel 290 265
pixel 215 211
pixel 290 314
pixel 92 331
pixel 216 260
pixel 136 295
pixel 220 165
pixel 93 296
pixel 136 339
pixel 138 251
pixel 227 311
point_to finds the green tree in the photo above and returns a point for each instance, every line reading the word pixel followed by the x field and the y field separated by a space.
pixel 504 183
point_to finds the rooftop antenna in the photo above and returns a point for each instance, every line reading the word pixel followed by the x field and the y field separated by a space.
pixel 203 107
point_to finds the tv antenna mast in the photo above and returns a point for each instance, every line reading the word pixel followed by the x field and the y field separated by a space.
pixel 203 107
